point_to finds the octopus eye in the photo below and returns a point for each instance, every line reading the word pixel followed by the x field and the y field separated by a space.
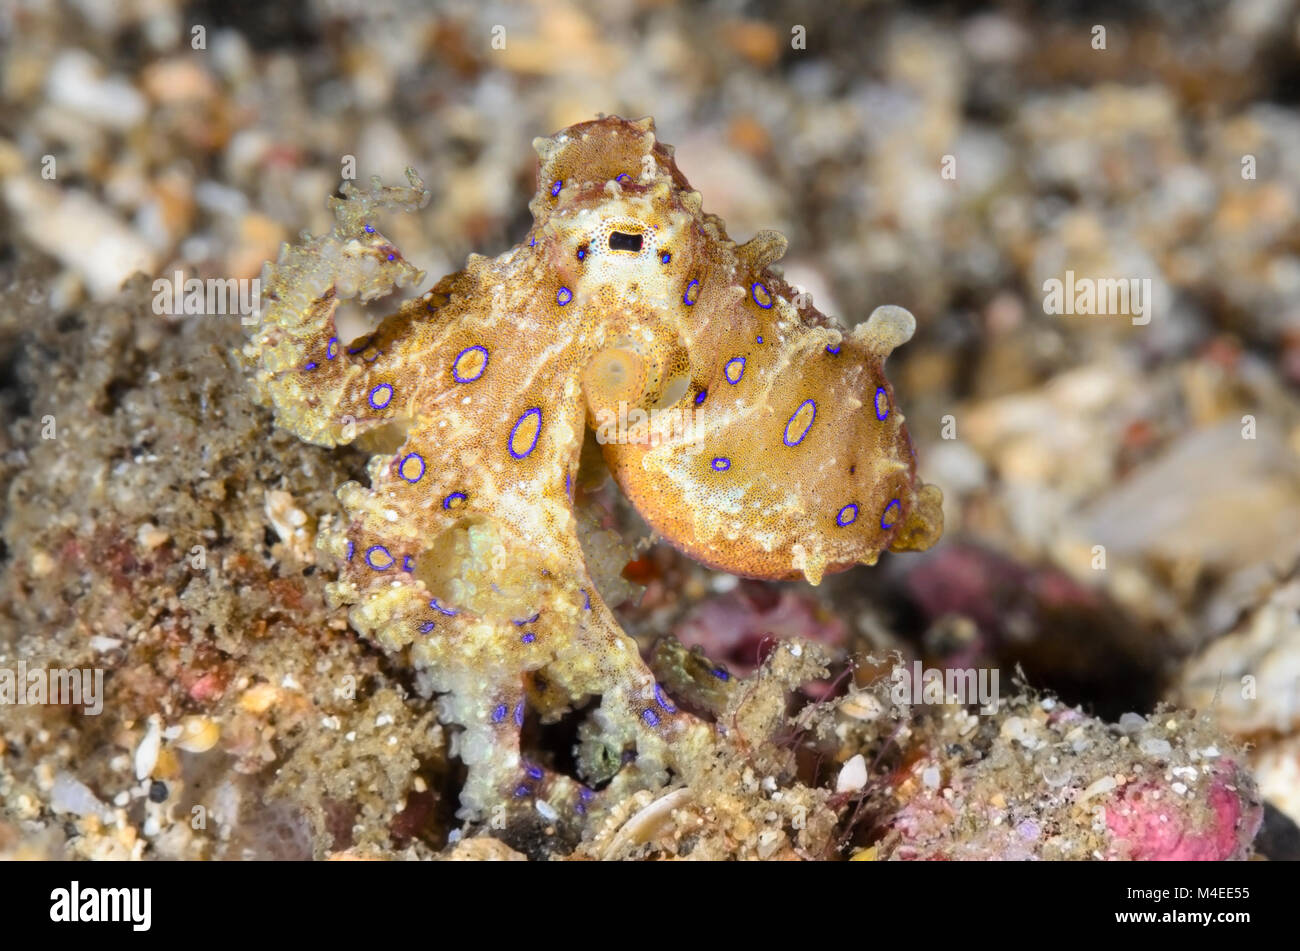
pixel 621 241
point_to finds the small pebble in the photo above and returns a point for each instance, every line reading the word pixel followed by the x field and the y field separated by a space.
pixel 853 775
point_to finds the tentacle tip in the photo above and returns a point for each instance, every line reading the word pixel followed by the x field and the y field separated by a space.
pixel 924 524
pixel 888 328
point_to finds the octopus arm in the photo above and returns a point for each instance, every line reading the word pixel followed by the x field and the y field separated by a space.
pixel 323 389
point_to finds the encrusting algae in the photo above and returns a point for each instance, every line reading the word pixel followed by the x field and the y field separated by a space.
pixel 749 431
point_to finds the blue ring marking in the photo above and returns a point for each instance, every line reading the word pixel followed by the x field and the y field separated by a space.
pixel 833 351
pixel 311 366
pixel 332 348
pixel 893 504
pixel 369 230
pixel 529 637
pixel 510 444
pixel 521 791
pixel 568 484
pixel 880 391
pixel 391 256
pixel 582 253
pixel 555 188
pixel 687 299
pixel 785 436
pixel 352 549
pixel 563 296
pixel 726 370
pixel 455 364
pixel 720 673
pixel 370 557
pixel 847 515
pixel 662 700
pixel 519 713
pixel 372 359
pixel 586 606
pixel 401 467
pixel 699 397
pixel 534 772
pixel 585 794
pixel 720 463
pixel 753 292
pixel 426 627
pixel 528 620
pixel 440 609
pixel 650 717
pixel 388 397
pixel 759 338
pixel 532 243
pixel 408 563
pixel 622 176
pixel 454 497
pixel 665 258
pixel 499 713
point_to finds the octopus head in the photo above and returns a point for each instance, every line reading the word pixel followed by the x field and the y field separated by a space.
pixel 614 215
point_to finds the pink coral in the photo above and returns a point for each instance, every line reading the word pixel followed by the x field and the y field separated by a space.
pixel 1152 822
pixel 1060 784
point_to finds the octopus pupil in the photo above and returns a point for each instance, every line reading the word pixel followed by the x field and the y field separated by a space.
pixel 621 241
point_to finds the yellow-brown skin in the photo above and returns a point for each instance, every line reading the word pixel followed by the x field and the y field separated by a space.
pixel 468 512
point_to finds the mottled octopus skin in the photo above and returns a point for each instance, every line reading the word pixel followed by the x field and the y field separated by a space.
pixel 784 453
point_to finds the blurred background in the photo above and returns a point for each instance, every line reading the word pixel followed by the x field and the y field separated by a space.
pixel 1122 497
